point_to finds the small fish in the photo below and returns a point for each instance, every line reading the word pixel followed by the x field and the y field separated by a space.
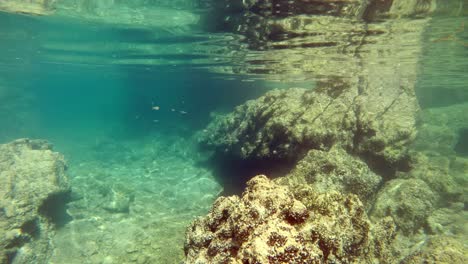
pixel 183 112
pixel 172 110
pixel 155 107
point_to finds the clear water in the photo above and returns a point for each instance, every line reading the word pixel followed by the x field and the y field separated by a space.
pixel 121 89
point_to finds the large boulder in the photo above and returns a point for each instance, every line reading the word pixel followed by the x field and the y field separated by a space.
pixel 33 187
pixel 269 225
pixel 286 124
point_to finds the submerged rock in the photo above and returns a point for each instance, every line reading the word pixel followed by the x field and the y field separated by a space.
pixel 443 130
pixel 334 170
pixel 286 124
pixel 118 200
pixel 269 225
pixel 408 201
pixel 439 249
pixel 33 185
pixel 351 133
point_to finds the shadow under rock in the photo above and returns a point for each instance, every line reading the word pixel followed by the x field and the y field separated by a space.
pixel 232 173
pixel 54 209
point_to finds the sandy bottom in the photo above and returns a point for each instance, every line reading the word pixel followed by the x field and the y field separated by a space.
pixel 132 201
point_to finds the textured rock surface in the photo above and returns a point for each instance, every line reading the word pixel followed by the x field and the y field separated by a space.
pixel 334 170
pixel 352 132
pixel 32 180
pixel 439 249
pixel 285 124
pixel 444 174
pixel 450 221
pixel 408 201
pixel 268 225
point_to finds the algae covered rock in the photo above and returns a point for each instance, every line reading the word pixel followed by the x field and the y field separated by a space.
pixel 334 170
pixel 33 185
pixel 269 225
pixel 444 174
pixel 439 249
pixel 280 124
pixel 286 124
pixel 408 201
pixel 449 221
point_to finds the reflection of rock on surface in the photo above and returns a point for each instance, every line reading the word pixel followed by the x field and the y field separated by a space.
pixel 31 7
pixel 268 225
pixel 33 184
pixel 328 40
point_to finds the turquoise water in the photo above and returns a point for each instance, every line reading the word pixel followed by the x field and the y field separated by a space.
pixel 123 96
pixel 122 104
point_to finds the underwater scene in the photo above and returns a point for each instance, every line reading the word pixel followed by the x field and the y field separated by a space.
pixel 233 131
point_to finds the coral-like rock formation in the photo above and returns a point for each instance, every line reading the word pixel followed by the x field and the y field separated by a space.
pixel 334 170
pixel 269 225
pixel 32 185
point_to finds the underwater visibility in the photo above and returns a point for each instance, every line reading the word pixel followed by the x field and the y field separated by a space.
pixel 233 131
